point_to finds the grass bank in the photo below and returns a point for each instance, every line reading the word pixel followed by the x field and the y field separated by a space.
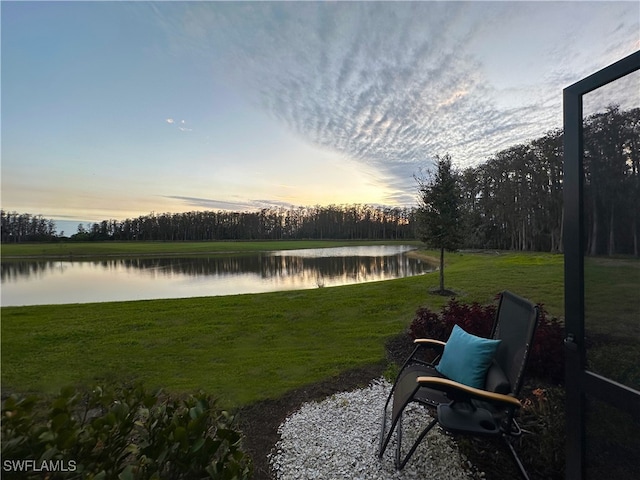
pixel 248 347
pixel 98 249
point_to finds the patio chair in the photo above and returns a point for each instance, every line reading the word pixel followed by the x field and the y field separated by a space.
pixel 472 383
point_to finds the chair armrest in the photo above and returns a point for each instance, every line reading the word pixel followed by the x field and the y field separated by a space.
pixel 429 342
pixel 447 385
pixel 420 344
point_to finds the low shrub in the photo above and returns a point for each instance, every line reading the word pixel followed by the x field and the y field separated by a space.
pixel 474 318
pixel 546 360
pixel 542 447
pixel 428 324
pixel 120 432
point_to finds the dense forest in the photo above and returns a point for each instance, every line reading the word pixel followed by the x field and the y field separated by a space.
pixel 24 227
pixel 330 222
pixel 511 201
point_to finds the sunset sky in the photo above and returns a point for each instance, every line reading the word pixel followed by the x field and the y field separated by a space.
pixel 118 109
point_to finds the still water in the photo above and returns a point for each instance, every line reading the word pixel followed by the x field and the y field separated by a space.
pixel 47 282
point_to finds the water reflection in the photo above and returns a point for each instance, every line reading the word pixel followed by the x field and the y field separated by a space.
pixel 45 282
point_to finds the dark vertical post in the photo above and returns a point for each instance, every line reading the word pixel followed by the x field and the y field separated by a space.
pixel 573 283
pixel 578 382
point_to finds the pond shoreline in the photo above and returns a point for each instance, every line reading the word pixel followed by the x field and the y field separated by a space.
pixel 433 261
pixel 149 276
pixel 91 250
pixel 92 256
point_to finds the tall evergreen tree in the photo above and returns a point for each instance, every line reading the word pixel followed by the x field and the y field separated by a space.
pixel 439 222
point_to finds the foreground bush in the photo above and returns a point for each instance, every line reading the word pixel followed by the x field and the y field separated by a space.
pixel 546 360
pixel 120 433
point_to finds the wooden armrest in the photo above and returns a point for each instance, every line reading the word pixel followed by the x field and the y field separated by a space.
pixel 446 384
pixel 429 341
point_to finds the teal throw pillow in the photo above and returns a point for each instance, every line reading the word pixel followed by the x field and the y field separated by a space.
pixel 466 358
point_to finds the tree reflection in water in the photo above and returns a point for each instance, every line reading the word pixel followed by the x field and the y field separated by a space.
pixel 25 282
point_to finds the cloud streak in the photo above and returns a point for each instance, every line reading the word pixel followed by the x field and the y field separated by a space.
pixel 240 205
pixel 382 83
pixel 394 84
pixel 181 125
pixel 362 85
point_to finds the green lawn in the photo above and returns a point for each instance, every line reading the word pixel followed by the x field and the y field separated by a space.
pixel 96 249
pixel 248 347
pixel 612 318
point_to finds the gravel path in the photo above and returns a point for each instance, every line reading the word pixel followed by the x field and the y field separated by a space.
pixel 338 439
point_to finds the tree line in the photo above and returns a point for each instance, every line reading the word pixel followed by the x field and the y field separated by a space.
pixel 513 201
pixel 25 227
pixel 319 222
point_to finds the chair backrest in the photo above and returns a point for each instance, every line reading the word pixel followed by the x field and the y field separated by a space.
pixel 515 325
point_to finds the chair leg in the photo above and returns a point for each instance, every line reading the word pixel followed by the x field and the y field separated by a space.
pixel 384 440
pixel 516 459
pixel 397 410
pixel 400 464
pixel 396 424
pixel 382 446
pixel 396 416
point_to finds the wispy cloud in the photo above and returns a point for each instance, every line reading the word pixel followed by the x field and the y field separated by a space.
pixel 239 205
pixel 210 203
pixel 381 83
pixel 378 84
pixel 394 84
pixel 181 125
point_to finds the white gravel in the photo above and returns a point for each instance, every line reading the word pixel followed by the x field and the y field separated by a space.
pixel 338 439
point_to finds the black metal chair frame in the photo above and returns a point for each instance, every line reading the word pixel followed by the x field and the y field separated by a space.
pixel 459 408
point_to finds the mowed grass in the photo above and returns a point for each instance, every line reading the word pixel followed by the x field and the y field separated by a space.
pixel 96 249
pixel 612 318
pixel 246 348
pixel 612 296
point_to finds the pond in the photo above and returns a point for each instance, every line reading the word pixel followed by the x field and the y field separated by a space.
pixel 46 282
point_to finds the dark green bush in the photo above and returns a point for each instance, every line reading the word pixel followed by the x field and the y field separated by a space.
pixel 120 433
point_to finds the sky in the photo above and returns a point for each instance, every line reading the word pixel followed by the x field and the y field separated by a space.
pixel 112 110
